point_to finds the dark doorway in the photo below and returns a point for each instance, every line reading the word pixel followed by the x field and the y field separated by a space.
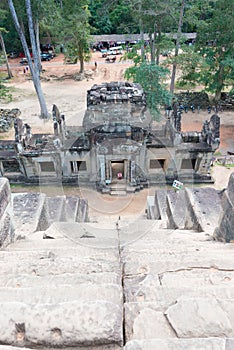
pixel 117 168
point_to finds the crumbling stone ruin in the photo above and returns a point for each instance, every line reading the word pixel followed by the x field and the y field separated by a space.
pixel 117 141
pixel 187 99
pixel 7 118
pixel 227 100
pixel 158 283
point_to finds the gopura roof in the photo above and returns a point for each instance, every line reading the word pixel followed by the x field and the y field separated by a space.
pixel 116 103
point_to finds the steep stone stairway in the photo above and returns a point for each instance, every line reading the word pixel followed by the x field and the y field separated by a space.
pixel 119 283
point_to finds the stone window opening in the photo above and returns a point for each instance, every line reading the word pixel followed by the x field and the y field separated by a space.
pixel 10 167
pixel 77 166
pixel 157 163
pixel 47 167
pixel 188 164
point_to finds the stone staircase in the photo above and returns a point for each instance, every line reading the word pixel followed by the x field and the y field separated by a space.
pixel 116 283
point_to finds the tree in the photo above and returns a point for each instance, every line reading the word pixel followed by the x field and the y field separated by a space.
pixel 151 77
pixel 113 17
pixel 177 46
pixel 10 75
pixel 75 31
pixel 33 67
pixel 215 43
pixel 211 62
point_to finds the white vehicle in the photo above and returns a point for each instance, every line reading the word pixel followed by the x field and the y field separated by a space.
pixel 117 50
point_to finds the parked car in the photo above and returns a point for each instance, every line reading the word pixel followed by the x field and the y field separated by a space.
pixel 116 50
pixel 45 56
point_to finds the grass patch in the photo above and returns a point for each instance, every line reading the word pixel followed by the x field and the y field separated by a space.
pixel 5 93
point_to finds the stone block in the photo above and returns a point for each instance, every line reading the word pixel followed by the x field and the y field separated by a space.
pixel 198 318
pixel 205 209
pixel 176 209
pixel 5 195
pixel 75 279
pixel 70 324
pixel 225 229
pixel 6 230
pixel 161 204
pixel 144 322
pixel 229 344
pixel 6 222
pixel 56 208
pixel 57 294
pixel 71 208
pixel 28 210
pixel 176 344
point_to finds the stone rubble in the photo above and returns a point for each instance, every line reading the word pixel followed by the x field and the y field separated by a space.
pixel 7 118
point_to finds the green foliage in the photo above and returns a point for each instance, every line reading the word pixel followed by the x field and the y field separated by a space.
pixel 75 31
pixel 112 17
pixel 215 44
pixel 5 94
pixel 152 78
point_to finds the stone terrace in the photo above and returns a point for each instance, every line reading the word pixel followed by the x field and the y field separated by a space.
pixel 133 285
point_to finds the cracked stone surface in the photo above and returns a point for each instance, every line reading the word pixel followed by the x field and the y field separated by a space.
pixel 198 318
pixel 80 285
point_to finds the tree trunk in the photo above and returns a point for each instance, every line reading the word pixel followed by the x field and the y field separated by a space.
pixel 141 32
pixel 10 75
pixel 178 37
pixel 142 41
pixel 158 35
pixel 37 33
pixel 32 36
pixel 152 47
pixel 220 84
pixel 33 68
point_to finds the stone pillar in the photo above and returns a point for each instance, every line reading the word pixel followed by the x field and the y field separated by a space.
pixel 6 223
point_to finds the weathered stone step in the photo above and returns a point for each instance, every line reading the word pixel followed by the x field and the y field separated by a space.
pixel 179 344
pixel 69 234
pixel 87 347
pixel 63 325
pixel 151 291
pixel 53 266
pixel 187 317
pixel 52 252
pixel 188 263
pixel 58 294
pixel 118 193
pixel 68 279
pixel 199 277
pixel 180 254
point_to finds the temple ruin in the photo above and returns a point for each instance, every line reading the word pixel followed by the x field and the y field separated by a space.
pixel 162 280
pixel 118 144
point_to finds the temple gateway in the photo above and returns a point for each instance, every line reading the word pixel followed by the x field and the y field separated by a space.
pixel 117 144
